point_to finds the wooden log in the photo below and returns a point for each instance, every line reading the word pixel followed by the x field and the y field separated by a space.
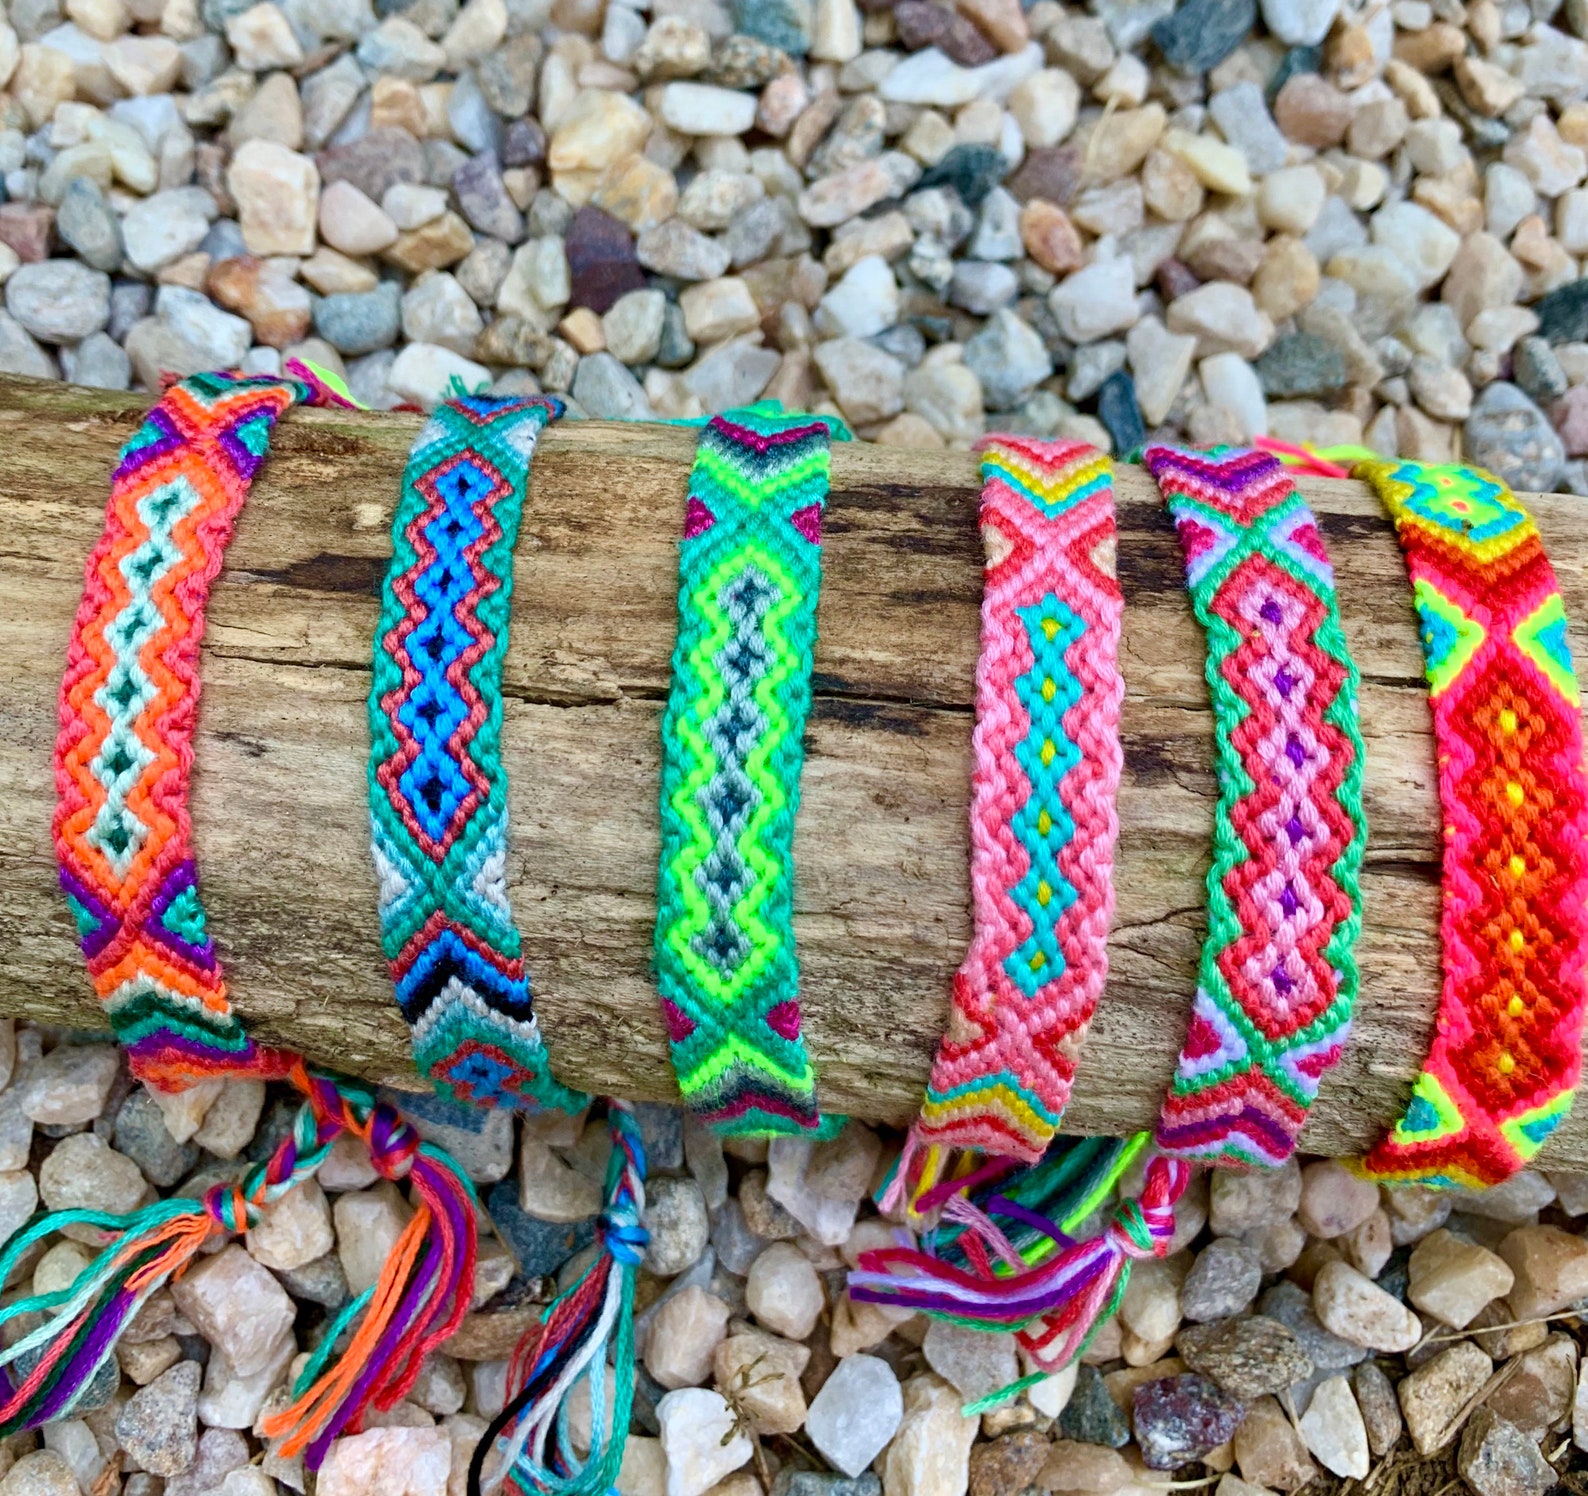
pixel 881 893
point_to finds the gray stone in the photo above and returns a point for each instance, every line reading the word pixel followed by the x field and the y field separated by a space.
pixel 662 1128
pixel 676 348
pixel 72 1082
pixel 158 1426
pixel 982 286
pixel 538 1247
pixel 1223 1280
pixel 1092 1416
pixel 674 248
pixel 483 200
pixel 608 392
pixel 997 235
pixel 633 326
pixel 478 1138
pixel 975 1361
pixel 1563 314
pixel 1300 23
pixel 675 1210
pixel 142 1135
pixel 354 322
pixel 60 301
pixel 791 1482
pixel 1510 436
pixel 784 24
pixel 1241 113
pixel 1202 33
pixel 1302 365
pixel 98 362
pixel 1292 1307
pixel 216 336
pixel 322 1281
pixel 736 1245
pixel 1537 371
pixel 1497 1459
pixel 84 222
pixel 1009 358
pixel 734 374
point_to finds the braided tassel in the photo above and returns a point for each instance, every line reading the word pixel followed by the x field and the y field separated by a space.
pixel 406 1314
pixel 1056 1307
pixel 570 1344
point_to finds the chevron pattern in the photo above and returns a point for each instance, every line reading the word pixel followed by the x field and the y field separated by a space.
pixel 1505 1059
pixel 437 787
pixel 1043 824
pixel 128 707
pixel 1278 976
pixel 732 751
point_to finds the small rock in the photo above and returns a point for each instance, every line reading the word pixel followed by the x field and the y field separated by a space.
pixel 294 1230
pixel 1333 1200
pixel 232 1119
pixel 1563 313
pixel 358 323
pixel 674 248
pixel 701 1439
pixel 142 1136
pixel 930 1453
pixel 1381 1412
pixel 1436 1391
pixel 1247 1356
pixel 974 1361
pixel 762 1374
pixel 1301 365
pixel 70 1085
pixel 393 1461
pixel 277 194
pixel 783 1291
pixel 1202 33
pixel 1551 1266
pixel 158 1425
pixel 1009 358
pixel 1510 436
pixel 41 1473
pixel 1181 1418
pixel 1497 1459
pixel 1243 1201
pixel 1092 1416
pixel 704 109
pixel 684 1336
pixel 1223 318
pixel 1084 1468
pixel 867 383
pixel 1538 1397
pixel 1354 1308
pixel 856 1413
pixel 675 1210
pixel 237 1306
pixel 1008 1466
pixel 1453 1279
pixel 1333 1430
pixel 85 1173
pixel 1232 385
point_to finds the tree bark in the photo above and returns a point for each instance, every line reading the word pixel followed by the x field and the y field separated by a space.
pixel 881 893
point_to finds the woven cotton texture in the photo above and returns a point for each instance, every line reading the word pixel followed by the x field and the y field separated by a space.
pixel 732 751
pixel 1505 1059
pixel 1042 817
pixel 1278 977
pixel 438 790
pixel 128 708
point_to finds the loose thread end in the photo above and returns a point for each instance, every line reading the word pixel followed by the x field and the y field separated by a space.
pixel 570 1344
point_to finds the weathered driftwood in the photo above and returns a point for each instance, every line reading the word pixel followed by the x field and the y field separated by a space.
pixel 881 843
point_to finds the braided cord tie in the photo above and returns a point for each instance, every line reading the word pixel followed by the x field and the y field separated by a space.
pixel 732 751
pixel 1042 816
pixel 437 787
pixel 1505 1059
pixel 1278 978
pixel 128 706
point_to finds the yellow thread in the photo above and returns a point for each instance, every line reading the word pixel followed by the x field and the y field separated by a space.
pixel 1515 1007
pixel 1517 940
pixel 1513 792
pixel 1044 892
pixel 1049 690
pixel 1508 720
pixel 1050 627
pixel 1044 823
pixel 1518 867
pixel 1507 1064
pixel 1038 961
pixel 1048 750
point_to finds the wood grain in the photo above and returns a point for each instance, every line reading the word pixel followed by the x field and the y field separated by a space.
pixel 882 898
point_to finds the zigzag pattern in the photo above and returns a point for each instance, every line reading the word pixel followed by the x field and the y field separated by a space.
pixel 732 751
pixel 437 788
pixel 1505 1059
pixel 1043 823
pixel 128 708
pixel 1278 977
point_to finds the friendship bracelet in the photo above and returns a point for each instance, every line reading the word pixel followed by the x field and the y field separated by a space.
pixel 732 750
pixel 437 787
pixel 1278 976
pixel 123 836
pixel 1505 1058
pixel 128 708
pixel 1042 816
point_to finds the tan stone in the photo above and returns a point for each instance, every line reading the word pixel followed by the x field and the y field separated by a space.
pixel 1050 238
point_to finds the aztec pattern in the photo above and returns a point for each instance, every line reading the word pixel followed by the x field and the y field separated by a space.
pixel 1505 1059
pixel 1278 977
pixel 732 751
pixel 128 709
pixel 437 787
pixel 1042 817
